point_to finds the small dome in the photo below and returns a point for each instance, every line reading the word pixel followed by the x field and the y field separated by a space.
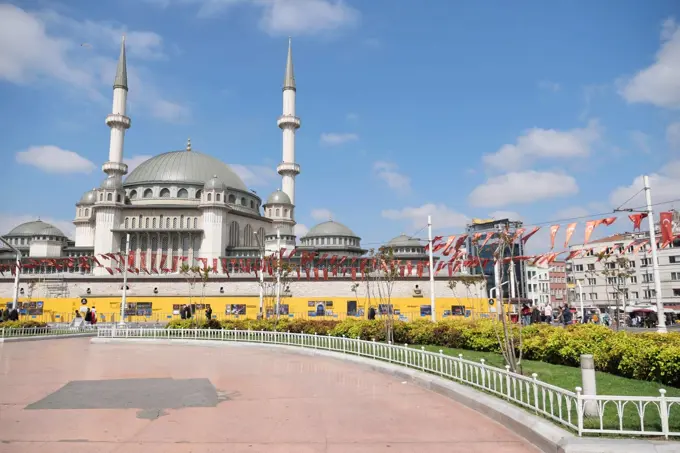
pixel 404 241
pixel 214 183
pixel 37 227
pixel 278 197
pixel 330 228
pixel 111 183
pixel 88 197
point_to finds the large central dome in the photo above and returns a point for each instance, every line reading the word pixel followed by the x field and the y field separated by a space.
pixel 187 167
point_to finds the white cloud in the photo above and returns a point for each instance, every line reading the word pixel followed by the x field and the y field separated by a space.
pixel 641 141
pixel 255 175
pixel 659 84
pixel 549 86
pixel 134 161
pixel 9 220
pixel 522 187
pixel 665 187
pixel 335 139
pixel 442 216
pixel 539 143
pixel 389 173
pixel 300 229
pixel 283 17
pixel 52 159
pixel 42 47
pixel 673 135
pixel 512 215
pixel 322 215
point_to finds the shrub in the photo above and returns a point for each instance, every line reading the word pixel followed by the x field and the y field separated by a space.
pixel 25 324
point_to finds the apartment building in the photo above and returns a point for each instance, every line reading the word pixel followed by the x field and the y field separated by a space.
pixel 558 283
pixel 627 275
pixel 538 283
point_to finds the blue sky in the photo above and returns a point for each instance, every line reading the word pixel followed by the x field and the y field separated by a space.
pixel 457 109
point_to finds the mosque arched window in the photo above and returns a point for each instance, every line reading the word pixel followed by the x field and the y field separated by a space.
pixel 252 204
pixel 165 193
pixel 153 223
pixel 167 223
pixel 87 212
pixel 134 223
pixel 148 193
pixel 199 193
pixel 209 197
pixel 109 197
pixel 260 234
pixel 146 223
pixel 164 242
pixel 182 193
pixel 278 212
pixel 126 222
pixel 101 197
pixel 174 222
pixel 234 234
pixel 285 212
pixel 218 197
pixel 188 222
pixel 243 201
pixel 232 198
pixel 248 236
pixel 133 194
pixel 118 198
pixel 195 222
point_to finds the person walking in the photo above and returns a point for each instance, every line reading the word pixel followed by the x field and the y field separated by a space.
pixel 548 313
pixel 567 315
pixel 208 313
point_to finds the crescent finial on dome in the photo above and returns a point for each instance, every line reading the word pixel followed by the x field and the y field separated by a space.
pixel 189 144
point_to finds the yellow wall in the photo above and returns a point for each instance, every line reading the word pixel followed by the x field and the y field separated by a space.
pixel 63 309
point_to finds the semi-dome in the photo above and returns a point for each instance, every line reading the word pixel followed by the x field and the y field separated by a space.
pixel 214 183
pixel 111 183
pixel 404 241
pixel 278 197
pixel 330 228
pixel 187 167
pixel 88 198
pixel 35 228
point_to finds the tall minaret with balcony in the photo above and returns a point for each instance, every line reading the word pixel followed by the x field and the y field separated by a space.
pixel 289 124
pixel 110 197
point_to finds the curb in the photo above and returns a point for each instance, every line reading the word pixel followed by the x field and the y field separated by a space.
pixel 542 433
pixel 46 337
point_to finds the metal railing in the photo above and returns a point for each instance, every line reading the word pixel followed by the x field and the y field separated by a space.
pixel 618 415
pixel 10 332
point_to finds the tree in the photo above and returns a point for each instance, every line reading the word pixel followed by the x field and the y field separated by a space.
pixel 190 274
pixel 284 270
pixel 355 289
pixel 468 281
pixel 383 271
pixel 617 272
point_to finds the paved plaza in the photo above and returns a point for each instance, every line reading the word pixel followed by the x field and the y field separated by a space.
pixel 73 396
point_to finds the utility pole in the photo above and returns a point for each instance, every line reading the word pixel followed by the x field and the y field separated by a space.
pixel 661 326
pixel 260 245
pixel 123 300
pixel 432 299
pixel 278 272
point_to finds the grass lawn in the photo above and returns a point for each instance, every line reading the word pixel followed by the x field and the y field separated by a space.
pixel 569 378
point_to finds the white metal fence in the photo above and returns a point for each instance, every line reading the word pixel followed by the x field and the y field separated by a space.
pixel 10 332
pixel 619 415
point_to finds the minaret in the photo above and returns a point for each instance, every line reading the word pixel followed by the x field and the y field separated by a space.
pixel 289 123
pixel 118 121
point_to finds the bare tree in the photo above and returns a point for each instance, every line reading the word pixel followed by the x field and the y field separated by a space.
pixel 617 272
pixel 383 271
pixel 190 274
pixel 468 281
pixel 269 284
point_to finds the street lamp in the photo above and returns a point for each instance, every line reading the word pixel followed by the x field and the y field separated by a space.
pixel 260 246
pixel 123 299
pixel 15 296
pixel 580 297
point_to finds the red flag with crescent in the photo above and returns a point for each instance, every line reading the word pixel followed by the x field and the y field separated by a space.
pixel 666 220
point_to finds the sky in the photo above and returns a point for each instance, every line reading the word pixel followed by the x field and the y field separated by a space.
pixel 539 111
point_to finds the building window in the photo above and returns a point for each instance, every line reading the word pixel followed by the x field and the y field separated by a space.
pixel 174 223
pixel 167 223
pixel 165 193
pixel 199 193
pixel 218 197
pixel 252 204
pixel 153 223
pixel 146 223
pixel 195 222
pixel 232 199
pixel 285 212
pixel 234 234
pixel 675 276
pixel 133 194
pixel 87 212
pixel 209 197
pixel 278 212
pixel 248 236
pixel 647 278
pixel 591 267
pixel 109 197
pixel 649 293
pixel 592 281
pixel 148 193
pixel 676 292
pixel 182 193
pixel 134 223
pixel 126 222
pixel 674 259
pixel 243 201
pixel 633 279
pixel 101 197
pixel 593 296
pixel 188 222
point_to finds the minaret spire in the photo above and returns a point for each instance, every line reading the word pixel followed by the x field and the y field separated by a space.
pixel 117 120
pixel 289 123
pixel 121 71
pixel 289 79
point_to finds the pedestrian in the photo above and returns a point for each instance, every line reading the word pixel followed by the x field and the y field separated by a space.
pixel 535 315
pixel 208 313
pixel 183 312
pixel 93 315
pixel 371 313
pixel 548 314
pixel 526 315
pixel 567 315
pixel 88 316
pixel 14 314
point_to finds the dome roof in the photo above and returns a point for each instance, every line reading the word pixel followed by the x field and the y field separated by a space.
pixel 88 197
pixel 330 228
pixel 214 183
pixel 278 197
pixel 35 228
pixel 111 183
pixel 184 167
pixel 404 241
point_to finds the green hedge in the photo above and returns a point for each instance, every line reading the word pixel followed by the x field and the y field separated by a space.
pixel 21 324
pixel 643 356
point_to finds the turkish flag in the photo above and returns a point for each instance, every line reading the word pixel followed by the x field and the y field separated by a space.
pixel 637 220
pixel 553 233
pixel 666 220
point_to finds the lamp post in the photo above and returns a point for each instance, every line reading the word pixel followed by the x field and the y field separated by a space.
pixel 432 299
pixel 123 299
pixel 580 298
pixel 260 246
pixel 661 325
pixel 278 272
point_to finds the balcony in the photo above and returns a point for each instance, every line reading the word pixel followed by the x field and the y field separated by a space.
pixel 288 120
pixel 288 167
pixel 115 119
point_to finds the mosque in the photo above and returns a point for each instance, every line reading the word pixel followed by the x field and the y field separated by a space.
pixel 186 208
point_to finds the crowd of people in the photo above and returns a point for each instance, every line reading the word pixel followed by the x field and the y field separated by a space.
pixel 9 314
pixel 561 315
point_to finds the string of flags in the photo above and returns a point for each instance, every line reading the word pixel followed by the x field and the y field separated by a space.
pixel 453 256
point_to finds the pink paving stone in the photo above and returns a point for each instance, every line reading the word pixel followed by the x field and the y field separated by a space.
pixel 277 402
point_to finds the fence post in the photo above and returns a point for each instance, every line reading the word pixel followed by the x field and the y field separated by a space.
pixel 373 348
pixel 507 381
pixel 590 408
pixel 3 333
pixel 579 411
pixel 535 385
pixel 315 340
pixel 343 344
pixel 483 372
pixel 663 413
pixel 389 351
pixel 422 358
